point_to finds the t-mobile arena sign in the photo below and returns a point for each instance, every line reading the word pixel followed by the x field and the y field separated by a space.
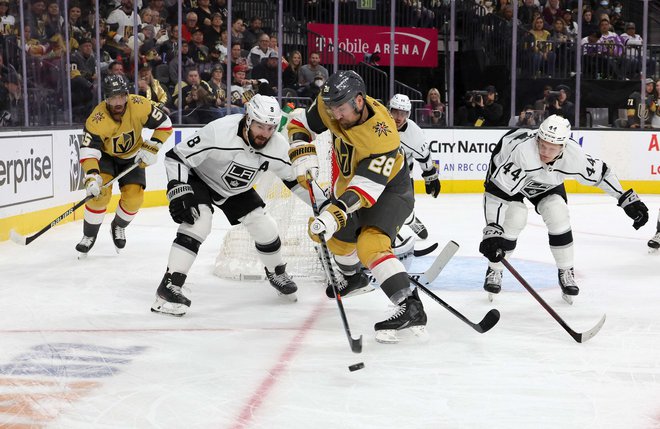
pixel 413 47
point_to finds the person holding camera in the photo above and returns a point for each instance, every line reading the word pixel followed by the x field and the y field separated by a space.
pixel 527 118
pixel 481 109
pixel 557 103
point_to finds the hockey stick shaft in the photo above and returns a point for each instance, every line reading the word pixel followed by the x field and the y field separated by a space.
pixel 25 240
pixel 579 337
pixel 490 319
pixel 356 344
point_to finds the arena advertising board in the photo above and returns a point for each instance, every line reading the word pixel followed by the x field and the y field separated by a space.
pixel 42 170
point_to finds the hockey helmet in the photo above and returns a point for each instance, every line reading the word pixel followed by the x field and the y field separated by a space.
pixel 114 85
pixel 555 130
pixel 263 109
pixel 343 87
pixel 400 102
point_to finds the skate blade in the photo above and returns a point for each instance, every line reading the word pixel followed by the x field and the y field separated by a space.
pixel 567 298
pixel 164 307
pixel 288 297
pixel 82 256
pixel 412 334
pixel 362 291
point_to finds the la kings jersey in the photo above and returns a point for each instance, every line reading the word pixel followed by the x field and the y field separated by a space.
pixel 122 139
pixel 516 168
pixel 221 158
pixel 366 157
pixel 414 146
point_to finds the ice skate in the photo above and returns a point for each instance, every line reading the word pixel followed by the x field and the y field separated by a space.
pixel 409 317
pixel 169 298
pixel 356 284
pixel 493 283
pixel 654 243
pixel 569 287
pixel 118 236
pixel 85 246
pixel 282 283
pixel 418 228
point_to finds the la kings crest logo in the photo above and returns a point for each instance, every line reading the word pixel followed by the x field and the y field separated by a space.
pixel 534 188
pixel 239 176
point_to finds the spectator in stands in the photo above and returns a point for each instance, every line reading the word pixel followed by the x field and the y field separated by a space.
pixel 213 32
pixel 150 88
pixel 237 57
pixel 189 26
pixel 7 20
pixel 186 63
pixel 543 57
pixel 312 91
pixel 221 6
pixel 435 107
pixel 204 13
pixel 589 25
pixel 253 33
pixel 85 60
pixel 36 19
pixel 198 51
pixel 120 23
pixel 82 96
pixel 559 104
pixel 192 82
pixel 159 9
pixel 603 9
pixel 611 50
pixel 541 104
pixel 635 111
pixel 633 44
pixel 571 25
pixel 217 84
pixel 266 73
pixel 77 27
pixel 291 74
pixel 259 52
pixel 481 110
pixel 526 13
pixel 526 119
pixel 116 68
pixel 242 88
pixel 309 71
pixel 550 12
pixel 222 45
pixel 168 49
pixel 238 32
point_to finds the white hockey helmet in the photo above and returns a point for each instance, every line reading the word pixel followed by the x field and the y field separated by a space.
pixel 400 102
pixel 555 130
pixel 263 109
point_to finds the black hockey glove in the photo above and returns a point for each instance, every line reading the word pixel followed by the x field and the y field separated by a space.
pixel 183 207
pixel 431 181
pixel 634 208
pixel 492 245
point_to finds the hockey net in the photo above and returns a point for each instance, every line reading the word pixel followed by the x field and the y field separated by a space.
pixel 238 259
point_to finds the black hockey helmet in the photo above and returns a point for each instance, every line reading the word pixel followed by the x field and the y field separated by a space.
pixel 114 85
pixel 342 87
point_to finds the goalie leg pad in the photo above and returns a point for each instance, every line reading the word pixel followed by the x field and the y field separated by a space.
pixel 554 211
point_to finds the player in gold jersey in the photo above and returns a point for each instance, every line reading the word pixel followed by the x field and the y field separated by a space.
pixel 371 195
pixel 113 142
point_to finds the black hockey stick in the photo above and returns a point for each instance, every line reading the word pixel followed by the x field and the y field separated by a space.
pixel 25 240
pixel 579 337
pixel 490 319
pixel 356 344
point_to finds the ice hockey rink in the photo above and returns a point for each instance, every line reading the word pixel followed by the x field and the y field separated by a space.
pixel 80 348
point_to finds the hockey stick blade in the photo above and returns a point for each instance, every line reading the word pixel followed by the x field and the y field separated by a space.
pixel 438 265
pixel 423 252
pixel 490 319
pixel 577 336
pixel 17 238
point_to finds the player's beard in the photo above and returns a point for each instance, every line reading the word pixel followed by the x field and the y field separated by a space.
pixel 258 142
pixel 116 112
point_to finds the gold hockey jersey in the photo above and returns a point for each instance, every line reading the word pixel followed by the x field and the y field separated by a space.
pixel 366 156
pixel 121 139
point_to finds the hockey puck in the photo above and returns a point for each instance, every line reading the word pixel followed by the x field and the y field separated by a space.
pixel 356 366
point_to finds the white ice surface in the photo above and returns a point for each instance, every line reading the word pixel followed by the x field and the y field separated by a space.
pixel 80 348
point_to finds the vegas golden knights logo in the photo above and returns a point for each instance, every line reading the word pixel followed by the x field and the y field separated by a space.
pixel 124 143
pixel 344 156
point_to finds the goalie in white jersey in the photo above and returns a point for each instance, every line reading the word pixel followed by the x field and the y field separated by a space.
pixel 416 149
pixel 218 167
pixel 534 164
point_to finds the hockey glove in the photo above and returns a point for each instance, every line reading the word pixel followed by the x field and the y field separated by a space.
pixel 492 245
pixel 634 208
pixel 304 160
pixel 327 223
pixel 183 207
pixel 431 181
pixel 148 153
pixel 93 182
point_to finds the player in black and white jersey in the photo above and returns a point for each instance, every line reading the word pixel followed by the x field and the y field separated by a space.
pixel 416 149
pixel 218 166
pixel 534 164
